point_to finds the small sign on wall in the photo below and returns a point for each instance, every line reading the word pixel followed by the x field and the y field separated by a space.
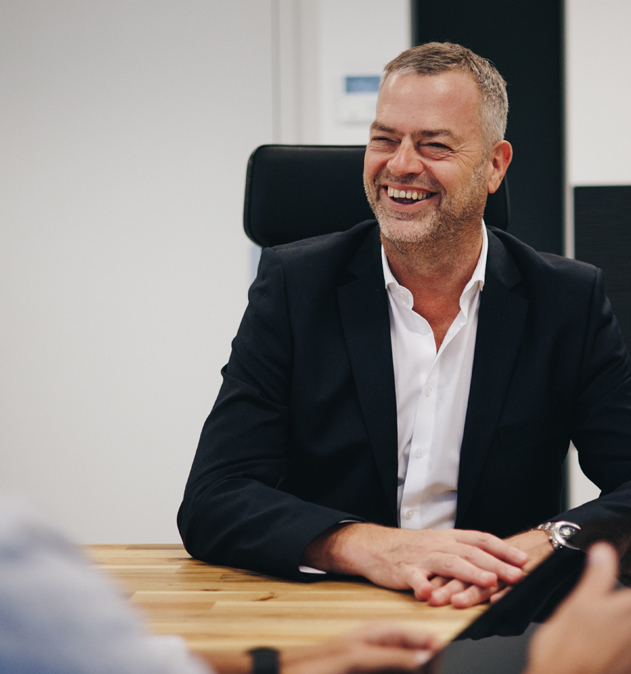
pixel 358 98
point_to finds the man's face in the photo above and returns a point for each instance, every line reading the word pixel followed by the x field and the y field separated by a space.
pixel 426 171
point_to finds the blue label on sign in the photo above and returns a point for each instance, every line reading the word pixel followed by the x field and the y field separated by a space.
pixel 362 84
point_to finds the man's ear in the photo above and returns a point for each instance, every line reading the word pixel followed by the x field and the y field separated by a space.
pixel 499 159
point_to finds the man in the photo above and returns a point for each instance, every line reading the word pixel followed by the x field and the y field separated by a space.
pixel 399 399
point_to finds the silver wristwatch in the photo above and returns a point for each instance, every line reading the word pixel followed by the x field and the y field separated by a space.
pixel 559 533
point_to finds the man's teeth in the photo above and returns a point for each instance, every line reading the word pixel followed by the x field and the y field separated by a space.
pixel 408 194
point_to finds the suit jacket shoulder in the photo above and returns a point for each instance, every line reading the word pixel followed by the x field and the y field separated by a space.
pixel 511 261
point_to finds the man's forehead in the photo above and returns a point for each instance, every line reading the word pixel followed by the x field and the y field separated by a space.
pixel 455 77
pixel 436 102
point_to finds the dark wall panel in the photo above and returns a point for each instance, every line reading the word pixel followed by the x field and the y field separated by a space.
pixel 602 236
pixel 525 41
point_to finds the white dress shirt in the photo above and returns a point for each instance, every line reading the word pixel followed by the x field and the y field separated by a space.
pixel 432 391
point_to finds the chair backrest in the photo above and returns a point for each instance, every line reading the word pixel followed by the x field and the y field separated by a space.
pixel 293 192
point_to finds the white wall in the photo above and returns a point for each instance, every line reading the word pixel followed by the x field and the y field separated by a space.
pixel 598 98
pixel 598 79
pixel 361 36
pixel 320 42
pixel 125 128
pixel 598 110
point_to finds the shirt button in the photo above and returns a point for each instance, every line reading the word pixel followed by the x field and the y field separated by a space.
pixel 424 330
pixel 409 514
pixel 428 390
pixel 418 453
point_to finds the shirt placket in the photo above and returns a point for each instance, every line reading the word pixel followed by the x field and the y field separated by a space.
pixel 418 473
pixel 416 498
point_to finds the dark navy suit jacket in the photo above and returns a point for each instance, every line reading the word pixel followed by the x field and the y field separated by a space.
pixel 304 430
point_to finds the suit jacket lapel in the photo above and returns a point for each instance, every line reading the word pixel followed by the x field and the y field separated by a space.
pixel 500 325
pixel 363 306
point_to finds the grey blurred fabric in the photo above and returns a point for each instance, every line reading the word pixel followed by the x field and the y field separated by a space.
pixel 59 616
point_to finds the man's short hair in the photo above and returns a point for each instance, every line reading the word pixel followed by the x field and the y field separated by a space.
pixel 434 58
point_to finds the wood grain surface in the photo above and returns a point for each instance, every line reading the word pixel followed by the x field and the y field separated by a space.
pixel 218 608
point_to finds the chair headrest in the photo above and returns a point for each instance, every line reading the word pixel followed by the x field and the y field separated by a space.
pixel 294 192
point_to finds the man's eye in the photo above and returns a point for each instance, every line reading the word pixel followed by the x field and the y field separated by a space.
pixel 380 140
pixel 435 149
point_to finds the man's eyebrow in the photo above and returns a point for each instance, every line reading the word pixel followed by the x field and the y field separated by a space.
pixel 430 133
pixel 378 126
pixel 437 132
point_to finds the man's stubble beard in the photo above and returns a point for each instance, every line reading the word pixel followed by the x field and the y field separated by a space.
pixel 439 230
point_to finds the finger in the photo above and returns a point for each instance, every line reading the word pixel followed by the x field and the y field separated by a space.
pixel 484 560
pixel 389 659
pixel 417 580
pixel 396 636
pixel 439 581
pixel 500 593
pixel 601 573
pixel 493 545
pixel 461 595
pixel 359 660
pixel 472 596
pixel 442 596
pixel 456 567
pixel 472 565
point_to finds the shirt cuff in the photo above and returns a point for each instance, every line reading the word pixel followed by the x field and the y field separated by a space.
pixel 310 569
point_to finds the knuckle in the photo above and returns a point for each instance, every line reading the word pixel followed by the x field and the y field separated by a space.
pixel 470 555
pixel 449 562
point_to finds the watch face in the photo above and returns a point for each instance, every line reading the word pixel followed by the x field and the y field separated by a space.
pixel 566 531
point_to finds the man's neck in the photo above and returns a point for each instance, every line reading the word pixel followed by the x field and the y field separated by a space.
pixel 436 278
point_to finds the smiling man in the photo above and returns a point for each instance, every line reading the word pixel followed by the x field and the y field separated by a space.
pixel 401 396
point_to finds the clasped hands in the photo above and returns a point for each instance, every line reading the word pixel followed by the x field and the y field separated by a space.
pixel 445 566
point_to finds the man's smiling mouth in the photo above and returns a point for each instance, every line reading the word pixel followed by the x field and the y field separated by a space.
pixel 408 196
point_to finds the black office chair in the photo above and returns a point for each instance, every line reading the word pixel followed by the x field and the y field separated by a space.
pixel 293 192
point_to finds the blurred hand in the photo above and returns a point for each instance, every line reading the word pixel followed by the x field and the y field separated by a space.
pixel 374 647
pixel 590 633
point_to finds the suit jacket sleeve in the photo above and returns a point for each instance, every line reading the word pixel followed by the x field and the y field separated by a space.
pixel 234 512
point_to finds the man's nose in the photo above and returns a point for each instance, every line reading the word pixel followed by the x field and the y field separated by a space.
pixel 406 160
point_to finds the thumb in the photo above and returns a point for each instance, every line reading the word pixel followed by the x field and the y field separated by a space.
pixel 601 572
pixel 418 580
pixel 381 660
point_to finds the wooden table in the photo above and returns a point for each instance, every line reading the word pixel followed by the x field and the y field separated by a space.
pixel 218 608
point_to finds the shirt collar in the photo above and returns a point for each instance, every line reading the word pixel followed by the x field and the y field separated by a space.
pixel 476 280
